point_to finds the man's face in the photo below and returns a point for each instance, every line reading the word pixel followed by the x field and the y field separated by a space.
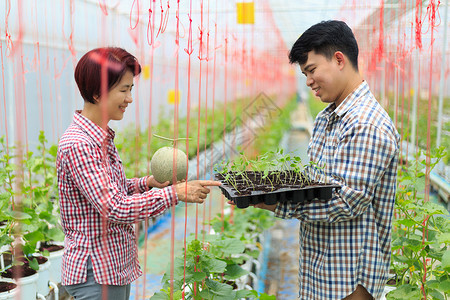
pixel 323 77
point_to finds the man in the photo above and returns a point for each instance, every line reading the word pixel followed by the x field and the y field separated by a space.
pixel 344 242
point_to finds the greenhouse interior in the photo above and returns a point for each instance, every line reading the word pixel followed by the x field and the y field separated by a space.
pixel 257 149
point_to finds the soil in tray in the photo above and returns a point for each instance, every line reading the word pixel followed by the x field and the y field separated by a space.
pixel 246 182
pixel 280 186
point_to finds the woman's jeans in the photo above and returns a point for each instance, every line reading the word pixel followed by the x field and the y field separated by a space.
pixel 91 290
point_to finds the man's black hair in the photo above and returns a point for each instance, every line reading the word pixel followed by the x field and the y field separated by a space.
pixel 325 38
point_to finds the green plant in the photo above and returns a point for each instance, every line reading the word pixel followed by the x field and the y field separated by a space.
pixel 28 197
pixel 404 123
pixel 209 271
pixel 213 265
pixel 276 168
pixel 6 195
pixel 244 224
pixel 420 237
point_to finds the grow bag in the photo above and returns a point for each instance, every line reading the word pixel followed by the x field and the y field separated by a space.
pixel 293 193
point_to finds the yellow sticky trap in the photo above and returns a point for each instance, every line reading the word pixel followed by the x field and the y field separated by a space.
pixel 245 12
pixel 146 72
pixel 173 96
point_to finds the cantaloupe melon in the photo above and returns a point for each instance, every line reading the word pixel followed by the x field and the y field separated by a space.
pixel 162 165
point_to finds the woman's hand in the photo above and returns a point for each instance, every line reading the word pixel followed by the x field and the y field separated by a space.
pixel 194 191
pixel 151 183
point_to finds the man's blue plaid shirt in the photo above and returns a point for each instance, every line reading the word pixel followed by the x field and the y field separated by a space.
pixel 347 241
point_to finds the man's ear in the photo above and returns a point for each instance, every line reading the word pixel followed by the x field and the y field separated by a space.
pixel 340 58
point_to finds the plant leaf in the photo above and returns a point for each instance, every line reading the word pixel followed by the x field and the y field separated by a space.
pixel 446 259
pixel 160 296
pixel 199 276
pixel 234 272
pixel 5 240
pixel 18 215
pixel 403 292
pixel 34 264
pixel 215 265
pixel 231 246
pixel 444 286
pixel 246 294
pixel 444 238
pixel 221 291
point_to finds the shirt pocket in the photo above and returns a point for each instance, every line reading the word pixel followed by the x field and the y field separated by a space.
pixel 331 145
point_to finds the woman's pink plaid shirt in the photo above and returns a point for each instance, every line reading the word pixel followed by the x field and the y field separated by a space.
pixel 99 206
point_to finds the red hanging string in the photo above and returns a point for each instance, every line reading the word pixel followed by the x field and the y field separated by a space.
pixel 200 55
pixel 132 27
pixel 164 19
pixel 4 100
pixel 213 105
pixel 150 31
pixel 207 58
pixel 225 87
pixel 150 26
pixel 8 40
pixel 102 5
pixel 418 24
pixel 431 13
pixel 37 67
pixel 176 116
pixel 71 45
pixel 189 51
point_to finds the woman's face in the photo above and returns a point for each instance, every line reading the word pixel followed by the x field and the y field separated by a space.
pixel 119 97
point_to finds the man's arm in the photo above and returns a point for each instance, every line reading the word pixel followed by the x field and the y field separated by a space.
pixel 361 158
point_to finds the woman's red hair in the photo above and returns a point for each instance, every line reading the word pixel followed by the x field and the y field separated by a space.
pixel 88 72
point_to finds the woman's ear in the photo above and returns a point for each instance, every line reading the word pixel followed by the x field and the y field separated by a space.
pixel 96 98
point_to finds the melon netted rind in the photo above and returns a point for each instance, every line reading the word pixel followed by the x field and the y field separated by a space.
pixel 161 164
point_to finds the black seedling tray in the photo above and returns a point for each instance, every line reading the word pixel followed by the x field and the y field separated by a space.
pixel 322 192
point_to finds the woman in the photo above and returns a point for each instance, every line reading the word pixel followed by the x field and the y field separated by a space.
pixel 98 204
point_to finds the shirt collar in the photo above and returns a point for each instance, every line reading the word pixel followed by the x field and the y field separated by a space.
pixel 97 133
pixel 351 99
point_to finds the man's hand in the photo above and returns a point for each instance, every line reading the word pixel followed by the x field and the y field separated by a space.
pixel 260 205
pixel 194 191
